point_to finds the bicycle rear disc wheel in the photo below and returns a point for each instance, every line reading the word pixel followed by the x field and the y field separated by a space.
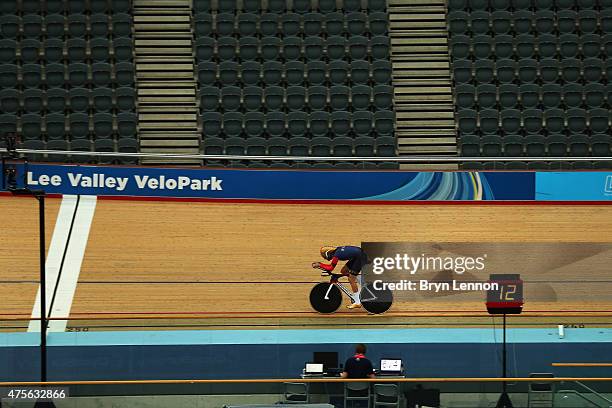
pixel 375 301
pixel 324 299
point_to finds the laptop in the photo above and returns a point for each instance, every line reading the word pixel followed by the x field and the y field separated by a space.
pixel 313 369
pixel 391 367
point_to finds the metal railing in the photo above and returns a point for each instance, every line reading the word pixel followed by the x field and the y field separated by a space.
pixel 399 159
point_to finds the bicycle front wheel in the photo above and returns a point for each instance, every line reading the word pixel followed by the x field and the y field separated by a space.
pixel 325 299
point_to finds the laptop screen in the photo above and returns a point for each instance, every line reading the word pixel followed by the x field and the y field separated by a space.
pixel 314 368
pixel 390 365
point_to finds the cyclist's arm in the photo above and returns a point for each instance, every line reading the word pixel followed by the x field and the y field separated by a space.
pixel 330 267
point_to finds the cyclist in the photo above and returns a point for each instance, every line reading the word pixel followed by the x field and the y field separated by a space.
pixel 356 259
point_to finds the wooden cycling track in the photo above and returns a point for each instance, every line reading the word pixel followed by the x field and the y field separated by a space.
pixel 251 261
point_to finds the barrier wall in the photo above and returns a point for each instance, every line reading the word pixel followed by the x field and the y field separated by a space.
pixel 316 185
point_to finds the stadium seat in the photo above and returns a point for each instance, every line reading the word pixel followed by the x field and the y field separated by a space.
pixel 254 124
pixel 252 98
pixel 292 48
pixel 510 121
pixel 505 71
pixel 487 96
pixel 79 125
pixel 211 124
pixel 386 146
pixel 32 25
pixel 555 120
pixel 126 98
pixel 313 48
pixel 319 123
pixel 578 145
pixel 102 125
pixel 482 47
pixel 248 49
pixel 568 46
pixel 567 21
pixel 384 122
pixel 465 96
pixel 30 51
pixel 9 101
pixel 599 120
pixel 277 146
pixel 256 146
pixel 491 145
pixel 296 98
pixel 56 100
pixel 105 146
pixel 335 47
pixel 291 24
pixel 205 47
pixel 297 123
pixel 458 22
pixel 501 22
pixel 525 46
pixel 508 96
pixel 587 21
pixel 8 75
pixel 503 46
pixel 101 74
pixel 381 72
pixel 123 49
pixel 128 145
pixel 527 70
pixel 100 51
pixel 532 121
pixel 590 46
pixel 339 97
pixel 513 145
pixel 31 75
pixel 460 46
pixel 467 121
pixel 272 72
pixel 33 100
pixel 594 95
pixel 321 146
pixel 360 97
pixel 31 126
pixel 383 97
pixel 570 70
pixel 226 48
pixel 544 21
pixel 250 72
pixel 362 123
pixel 35 145
pixel 54 25
pixel 99 26
pixel 576 120
pixel 556 145
pixel 203 24
pixel 59 145
pixel 484 71
pixel 79 99
pixel 358 47
pixel 276 124
pixel 230 98
pixel 56 126
pixel 78 74
pixel 601 145
pixel 334 23
pixel 313 24
pixel 593 70
pixel 274 97
pixel 233 124
pixel 316 73
pixel 209 98
pixel 462 71
pixel 338 72
pixel 378 23
pixel 228 73
pixel 299 146
pixel 530 96
pixel 522 21
pixel 572 95
pixel 547 46
pixel 268 25
pixel 479 22
pixel 342 146
pixel 317 97
pixel 551 95
pixel 227 6
pixel 277 6
pixel 340 123
pixel 270 48
pixel 8 50
pixel 356 23
pixel 549 71
pixel 364 146
pixel 247 24
pixel 294 73
pixel 488 121
pixel 121 25
pixel 102 99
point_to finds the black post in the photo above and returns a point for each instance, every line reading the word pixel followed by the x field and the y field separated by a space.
pixel 504 399
pixel 43 287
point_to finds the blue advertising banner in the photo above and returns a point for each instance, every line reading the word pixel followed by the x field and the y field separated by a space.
pixel 583 186
pixel 276 184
